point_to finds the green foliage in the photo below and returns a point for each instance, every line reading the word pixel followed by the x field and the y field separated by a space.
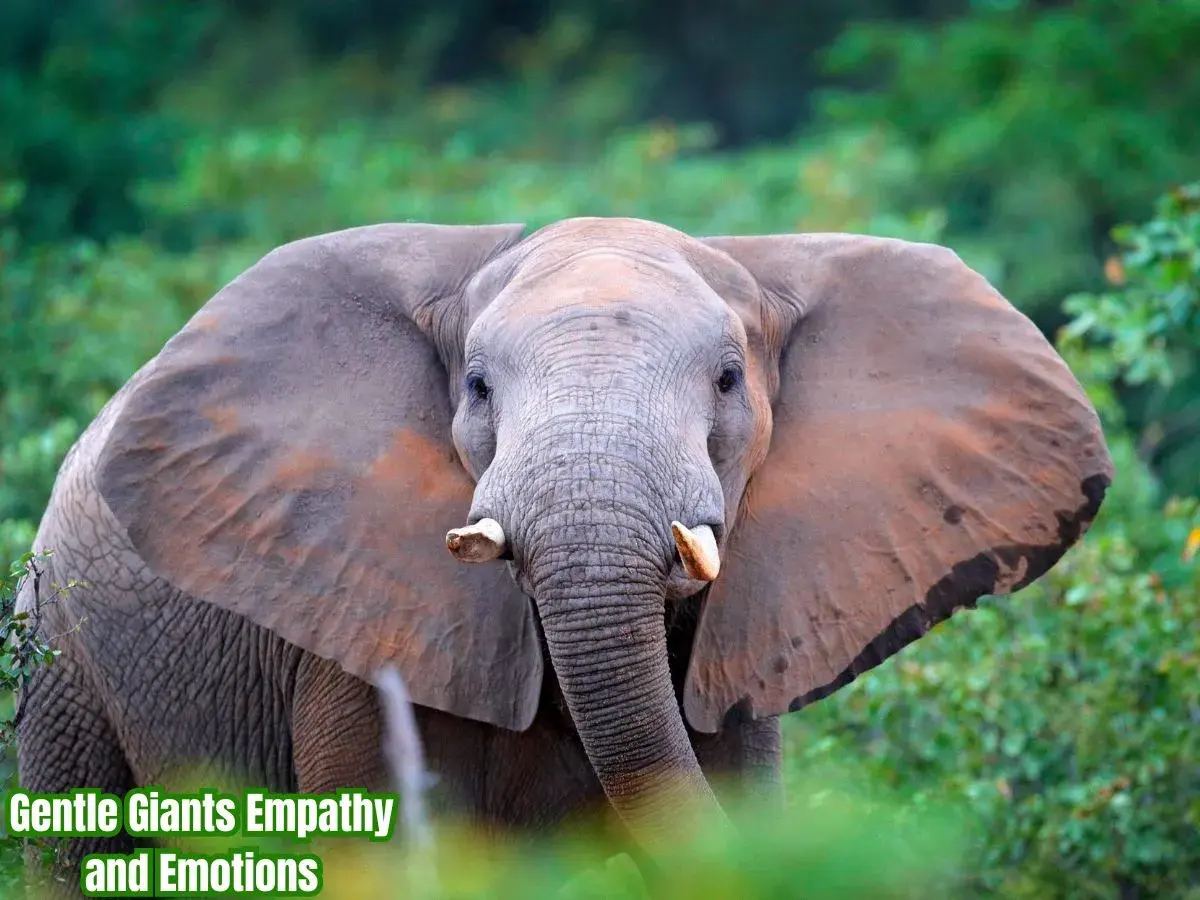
pixel 1150 326
pixel 1038 128
pixel 22 645
pixel 82 83
pixel 23 648
pixel 833 842
pixel 1145 336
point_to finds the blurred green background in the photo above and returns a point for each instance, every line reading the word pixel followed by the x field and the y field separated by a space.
pixel 152 149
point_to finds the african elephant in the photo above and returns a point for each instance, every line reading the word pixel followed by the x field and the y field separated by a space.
pixel 726 475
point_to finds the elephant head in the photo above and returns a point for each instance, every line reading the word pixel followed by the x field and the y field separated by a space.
pixel 831 441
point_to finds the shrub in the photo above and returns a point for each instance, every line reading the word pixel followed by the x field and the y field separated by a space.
pixel 23 648
pixel 1033 124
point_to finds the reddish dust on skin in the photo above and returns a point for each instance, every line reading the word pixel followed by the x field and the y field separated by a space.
pixel 412 465
pixel 303 470
pixel 597 281
pixel 223 418
pixel 600 264
pixel 585 233
pixel 206 322
pixel 260 517
pixel 760 442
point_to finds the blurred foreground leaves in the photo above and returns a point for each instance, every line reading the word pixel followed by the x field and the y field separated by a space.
pixel 839 838
pixel 832 843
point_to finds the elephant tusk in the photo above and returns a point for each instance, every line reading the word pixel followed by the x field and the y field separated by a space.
pixel 698 551
pixel 481 542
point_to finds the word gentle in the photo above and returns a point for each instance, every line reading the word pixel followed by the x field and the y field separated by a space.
pixel 151 812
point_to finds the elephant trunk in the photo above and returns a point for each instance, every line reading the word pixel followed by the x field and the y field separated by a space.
pixel 595 540
pixel 599 589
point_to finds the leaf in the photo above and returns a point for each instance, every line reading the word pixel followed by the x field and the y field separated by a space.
pixel 1192 545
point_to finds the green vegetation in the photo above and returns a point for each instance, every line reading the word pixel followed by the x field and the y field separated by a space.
pixel 1054 737
pixel 23 647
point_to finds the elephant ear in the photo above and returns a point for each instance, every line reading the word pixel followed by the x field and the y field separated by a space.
pixel 288 457
pixel 928 447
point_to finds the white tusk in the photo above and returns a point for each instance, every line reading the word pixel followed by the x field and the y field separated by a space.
pixel 481 542
pixel 698 551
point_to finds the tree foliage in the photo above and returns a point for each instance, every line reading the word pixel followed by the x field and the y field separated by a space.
pixel 1039 129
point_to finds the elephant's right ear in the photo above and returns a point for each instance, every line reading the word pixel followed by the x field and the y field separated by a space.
pixel 928 447
pixel 287 456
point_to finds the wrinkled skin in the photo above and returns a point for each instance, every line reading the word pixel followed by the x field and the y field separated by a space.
pixel 869 463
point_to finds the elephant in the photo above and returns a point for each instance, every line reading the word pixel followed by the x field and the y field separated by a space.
pixel 612 498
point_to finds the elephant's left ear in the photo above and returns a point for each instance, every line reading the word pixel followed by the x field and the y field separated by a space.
pixel 288 457
pixel 929 447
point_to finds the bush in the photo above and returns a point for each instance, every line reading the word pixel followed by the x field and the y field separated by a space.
pixel 1034 126
pixel 23 648
pixel 1144 336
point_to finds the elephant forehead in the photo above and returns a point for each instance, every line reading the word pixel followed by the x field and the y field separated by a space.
pixel 618 281
pixel 597 230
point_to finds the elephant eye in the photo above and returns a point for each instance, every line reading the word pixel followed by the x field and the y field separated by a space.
pixel 477 386
pixel 730 378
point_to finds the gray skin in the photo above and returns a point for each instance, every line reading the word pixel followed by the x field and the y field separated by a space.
pixel 607 378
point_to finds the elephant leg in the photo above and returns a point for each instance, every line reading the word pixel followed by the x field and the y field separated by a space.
pixel 455 752
pixel 527 781
pixel 744 760
pixel 482 773
pixel 500 781
pixel 65 742
pixel 541 777
pixel 337 730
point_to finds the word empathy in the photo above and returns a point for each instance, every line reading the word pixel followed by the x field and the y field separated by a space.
pixel 151 812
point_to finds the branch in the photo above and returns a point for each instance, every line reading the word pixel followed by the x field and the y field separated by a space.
pixel 30 644
pixel 402 745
